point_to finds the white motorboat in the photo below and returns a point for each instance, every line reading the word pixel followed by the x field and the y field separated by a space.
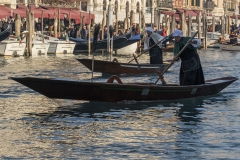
pixel 212 37
pixel 12 47
pixel 40 48
pixel 60 47
pixel 57 46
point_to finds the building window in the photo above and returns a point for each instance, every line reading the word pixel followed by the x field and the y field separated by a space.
pixel 104 5
pixel 138 7
pixel 230 4
pixel 148 6
pixel 195 2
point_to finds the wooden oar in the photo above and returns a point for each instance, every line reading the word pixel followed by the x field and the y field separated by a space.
pixel 94 44
pixel 142 53
pixel 177 56
pixel 149 48
pixel 214 42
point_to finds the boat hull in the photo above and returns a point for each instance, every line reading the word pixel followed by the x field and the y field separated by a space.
pixel 125 44
pixel 121 68
pixel 39 48
pixel 61 47
pixel 101 45
pixel 114 92
pixel 12 48
pixel 229 47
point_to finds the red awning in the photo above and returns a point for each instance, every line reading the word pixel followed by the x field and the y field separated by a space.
pixel 73 13
pixel 48 12
pixel 4 12
pixel 180 10
pixel 167 13
pixel 37 11
pixel 176 16
pixel 7 12
pixel 192 13
pixel 233 17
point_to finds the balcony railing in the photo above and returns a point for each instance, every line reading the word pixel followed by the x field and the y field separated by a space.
pixel 209 5
pixel 20 1
pixel 165 4
pixel 5 2
pixel 231 9
pixel 148 10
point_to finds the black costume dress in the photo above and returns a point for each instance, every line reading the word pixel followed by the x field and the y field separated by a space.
pixel 155 53
pixel 191 72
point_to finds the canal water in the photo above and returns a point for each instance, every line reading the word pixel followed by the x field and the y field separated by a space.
pixel 36 127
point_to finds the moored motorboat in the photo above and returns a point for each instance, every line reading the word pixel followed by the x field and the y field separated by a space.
pixel 115 92
pixel 108 67
pixel 12 47
pixel 60 47
pixel 40 48
pixel 213 37
pixel 129 42
pixel 56 46
pixel 82 46
pixel 229 47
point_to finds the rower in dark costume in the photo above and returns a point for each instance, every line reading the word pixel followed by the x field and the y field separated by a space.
pixel 191 72
pixel 155 53
pixel 233 38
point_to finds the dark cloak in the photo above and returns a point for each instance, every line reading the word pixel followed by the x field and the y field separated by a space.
pixel 191 72
pixel 155 53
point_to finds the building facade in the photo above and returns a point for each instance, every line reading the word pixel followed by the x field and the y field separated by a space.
pixel 147 7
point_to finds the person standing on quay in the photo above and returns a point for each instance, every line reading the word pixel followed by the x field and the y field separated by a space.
pixel 191 72
pixel 84 32
pixel 155 53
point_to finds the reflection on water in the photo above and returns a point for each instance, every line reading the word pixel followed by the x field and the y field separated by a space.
pixel 35 127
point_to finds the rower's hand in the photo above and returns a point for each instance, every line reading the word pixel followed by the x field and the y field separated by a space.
pixel 191 41
pixel 176 59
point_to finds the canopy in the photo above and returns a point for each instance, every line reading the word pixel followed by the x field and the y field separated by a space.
pixel 72 13
pixel 47 12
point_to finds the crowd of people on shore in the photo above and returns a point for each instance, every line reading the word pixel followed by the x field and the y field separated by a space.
pixel 5 22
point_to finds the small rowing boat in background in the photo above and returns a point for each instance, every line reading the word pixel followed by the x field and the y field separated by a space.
pixel 229 47
pixel 108 67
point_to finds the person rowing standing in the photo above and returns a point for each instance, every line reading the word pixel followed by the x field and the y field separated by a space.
pixel 155 52
pixel 191 72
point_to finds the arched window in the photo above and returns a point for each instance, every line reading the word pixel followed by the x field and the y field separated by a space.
pixel 116 6
pixel 148 6
pixel 127 7
pixel 104 5
pixel 138 7
pixel 149 3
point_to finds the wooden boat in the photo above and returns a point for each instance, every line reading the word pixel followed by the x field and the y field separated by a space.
pixel 115 92
pixel 229 47
pixel 4 34
pixel 108 67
